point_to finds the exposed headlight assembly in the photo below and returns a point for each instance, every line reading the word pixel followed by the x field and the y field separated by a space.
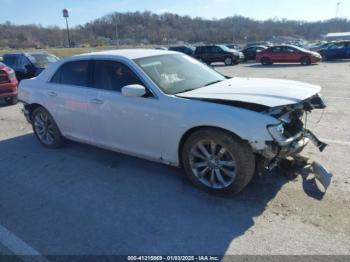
pixel 276 131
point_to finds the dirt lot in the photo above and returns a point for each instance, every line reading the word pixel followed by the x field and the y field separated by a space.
pixel 83 200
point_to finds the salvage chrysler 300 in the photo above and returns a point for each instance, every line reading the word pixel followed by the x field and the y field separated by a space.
pixel 168 107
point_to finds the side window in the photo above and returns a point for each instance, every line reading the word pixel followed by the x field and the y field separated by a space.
pixel 57 76
pixel 111 75
pixel 215 49
pixel 72 73
pixel 289 49
pixel 276 49
pixel 11 61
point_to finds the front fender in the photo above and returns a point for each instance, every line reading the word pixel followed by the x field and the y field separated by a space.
pixel 248 125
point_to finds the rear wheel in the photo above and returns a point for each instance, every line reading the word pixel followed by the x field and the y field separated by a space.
pixel 217 161
pixel 305 61
pixel 228 61
pixel 45 129
pixel 11 100
pixel 265 61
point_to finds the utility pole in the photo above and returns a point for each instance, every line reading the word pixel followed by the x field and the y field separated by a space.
pixel 116 29
pixel 337 10
pixel 116 33
pixel 66 15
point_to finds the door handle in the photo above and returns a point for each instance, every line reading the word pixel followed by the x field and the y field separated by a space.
pixel 96 101
pixel 51 93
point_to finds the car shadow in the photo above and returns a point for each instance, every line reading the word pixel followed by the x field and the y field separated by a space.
pixel 257 65
pixel 84 200
pixel 339 61
pixel 4 104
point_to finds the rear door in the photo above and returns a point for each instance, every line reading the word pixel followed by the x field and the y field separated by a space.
pixel 68 101
pixel 217 54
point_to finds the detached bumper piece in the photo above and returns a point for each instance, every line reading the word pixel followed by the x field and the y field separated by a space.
pixel 322 176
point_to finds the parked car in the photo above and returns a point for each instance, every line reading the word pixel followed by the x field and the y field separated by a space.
pixel 339 50
pixel 28 65
pixel 262 43
pixel 232 46
pixel 168 107
pixel 188 50
pixel 161 48
pixel 287 54
pixel 218 53
pixel 8 84
pixel 250 52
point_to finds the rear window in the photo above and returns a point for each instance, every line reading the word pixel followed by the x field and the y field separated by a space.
pixel 42 60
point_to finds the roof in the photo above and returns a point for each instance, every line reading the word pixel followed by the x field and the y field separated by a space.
pixel 131 53
pixel 340 34
pixel 26 53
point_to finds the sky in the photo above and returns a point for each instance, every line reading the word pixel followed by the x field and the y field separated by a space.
pixel 49 12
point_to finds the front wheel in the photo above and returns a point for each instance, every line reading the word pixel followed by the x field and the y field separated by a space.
pixel 305 61
pixel 46 129
pixel 217 161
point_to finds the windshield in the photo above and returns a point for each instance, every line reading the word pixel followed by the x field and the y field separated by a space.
pixel 42 60
pixel 178 73
pixel 225 48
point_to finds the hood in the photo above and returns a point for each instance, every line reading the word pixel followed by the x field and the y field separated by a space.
pixel 314 53
pixel 261 91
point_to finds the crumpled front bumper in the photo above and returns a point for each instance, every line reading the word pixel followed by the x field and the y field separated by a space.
pixel 292 145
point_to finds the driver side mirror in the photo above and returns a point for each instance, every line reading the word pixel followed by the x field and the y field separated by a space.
pixel 133 90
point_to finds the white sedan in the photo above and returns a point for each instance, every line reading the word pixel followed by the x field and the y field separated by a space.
pixel 168 107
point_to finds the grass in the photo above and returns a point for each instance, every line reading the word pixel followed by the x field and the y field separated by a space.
pixel 64 52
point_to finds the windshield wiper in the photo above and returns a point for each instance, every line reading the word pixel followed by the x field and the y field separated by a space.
pixel 214 82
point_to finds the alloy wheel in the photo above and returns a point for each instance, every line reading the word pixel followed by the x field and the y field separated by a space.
pixel 212 164
pixel 44 128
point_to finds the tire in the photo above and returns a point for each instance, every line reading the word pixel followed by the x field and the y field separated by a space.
pixel 265 61
pixel 233 154
pixel 11 100
pixel 305 61
pixel 228 61
pixel 46 129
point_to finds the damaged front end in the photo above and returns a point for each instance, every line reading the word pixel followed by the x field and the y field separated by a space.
pixel 291 136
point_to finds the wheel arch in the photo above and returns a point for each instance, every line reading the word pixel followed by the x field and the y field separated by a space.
pixel 31 107
pixel 192 130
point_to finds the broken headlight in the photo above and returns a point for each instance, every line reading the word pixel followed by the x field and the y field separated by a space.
pixel 276 131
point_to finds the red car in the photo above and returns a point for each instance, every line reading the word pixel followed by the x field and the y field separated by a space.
pixel 8 85
pixel 287 54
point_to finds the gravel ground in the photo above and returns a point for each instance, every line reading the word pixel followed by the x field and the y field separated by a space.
pixel 84 200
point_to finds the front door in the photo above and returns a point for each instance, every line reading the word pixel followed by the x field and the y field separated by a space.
pixel 128 124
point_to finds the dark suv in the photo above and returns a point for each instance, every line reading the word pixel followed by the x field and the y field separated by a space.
pixel 188 50
pixel 218 53
pixel 28 65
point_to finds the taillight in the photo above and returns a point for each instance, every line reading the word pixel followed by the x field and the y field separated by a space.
pixel 4 77
pixel 11 74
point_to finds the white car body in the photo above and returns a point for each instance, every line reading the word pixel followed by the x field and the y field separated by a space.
pixel 153 127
